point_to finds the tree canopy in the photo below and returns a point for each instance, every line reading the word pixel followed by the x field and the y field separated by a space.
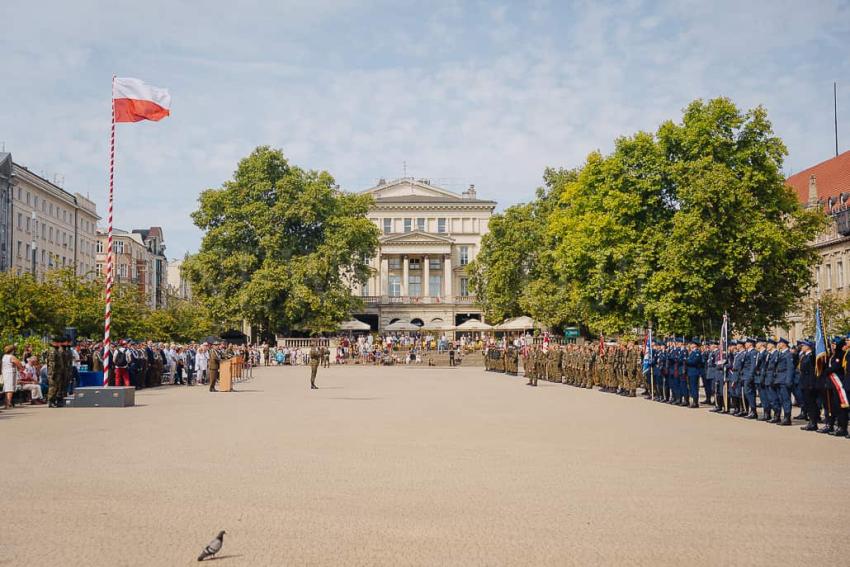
pixel 282 246
pixel 675 227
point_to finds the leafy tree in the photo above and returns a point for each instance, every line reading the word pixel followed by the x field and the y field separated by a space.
pixel 282 246
pixel 28 306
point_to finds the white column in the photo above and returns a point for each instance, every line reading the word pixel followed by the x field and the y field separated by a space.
pixel 404 275
pixel 385 272
pixel 426 273
pixel 447 275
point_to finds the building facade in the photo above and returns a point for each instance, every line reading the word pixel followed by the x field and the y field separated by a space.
pixel 178 286
pixel 5 207
pixel 428 237
pixel 155 243
pixel 826 186
pixel 45 226
pixel 133 262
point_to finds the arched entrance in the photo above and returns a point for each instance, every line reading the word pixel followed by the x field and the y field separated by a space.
pixel 418 322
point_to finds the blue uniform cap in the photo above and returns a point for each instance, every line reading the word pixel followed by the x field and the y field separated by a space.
pixel 782 340
pixel 771 341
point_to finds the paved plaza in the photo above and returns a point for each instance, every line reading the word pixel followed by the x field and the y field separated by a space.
pixel 397 466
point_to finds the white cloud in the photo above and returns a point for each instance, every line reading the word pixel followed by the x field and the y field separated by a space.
pixel 464 93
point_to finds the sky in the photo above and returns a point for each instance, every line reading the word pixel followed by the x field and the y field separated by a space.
pixel 483 93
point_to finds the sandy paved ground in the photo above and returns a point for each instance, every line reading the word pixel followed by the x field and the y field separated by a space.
pixel 415 467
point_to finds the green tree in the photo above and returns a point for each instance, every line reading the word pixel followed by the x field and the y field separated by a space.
pixel 28 306
pixel 282 246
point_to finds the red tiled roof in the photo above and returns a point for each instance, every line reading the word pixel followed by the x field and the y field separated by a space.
pixel 832 177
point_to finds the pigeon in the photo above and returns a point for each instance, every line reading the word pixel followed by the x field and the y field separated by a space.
pixel 212 547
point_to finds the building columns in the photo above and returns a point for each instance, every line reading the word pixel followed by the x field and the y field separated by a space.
pixel 404 272
pixel 426 273
pixel 447 274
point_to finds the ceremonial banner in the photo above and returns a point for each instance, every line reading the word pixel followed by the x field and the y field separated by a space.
pixel 821 348
pixel 839 387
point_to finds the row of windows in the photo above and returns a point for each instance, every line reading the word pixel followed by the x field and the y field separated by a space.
pixel 839 272
pixel 420 225
pixel 49 209
pixel 32 226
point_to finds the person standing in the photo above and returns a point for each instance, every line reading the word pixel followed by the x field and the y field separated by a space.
pixel 782 384
pixel 10 368
pixel 748 375
pixel 214 363
pixel 121 358
pixel 768 400
pixel 55 371
pixel 695 364
pixel 314 366
pixel 808 384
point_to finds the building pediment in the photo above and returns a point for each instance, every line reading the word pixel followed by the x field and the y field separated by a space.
pixel 407 187
pixel 416 237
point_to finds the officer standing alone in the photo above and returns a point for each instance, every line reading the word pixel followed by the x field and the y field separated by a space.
pixel 314 366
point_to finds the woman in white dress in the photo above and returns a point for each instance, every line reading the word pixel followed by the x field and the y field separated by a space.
pixel 10 368
pixel 31 382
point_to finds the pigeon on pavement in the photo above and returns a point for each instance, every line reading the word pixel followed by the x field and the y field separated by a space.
pixel 213 547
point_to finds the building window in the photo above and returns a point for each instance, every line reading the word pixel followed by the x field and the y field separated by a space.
pixel 420 225
pixel 50 232
pixel 388 226
pixel 98 269
pixel 20 221
pixel 28 224
pixel 119 247
pixel 464 287
pixel 435 264
pixel 464 255
pixel 99 247
pixel 828 277
pixel 394 263
pixel 394 286
pixel 435 286
pixel 43 231
pixel 408 225
pixel 364 289
pixel 414 264
pixel 414 285
pixel 122 270
pixel 19 248
pixel 42 256
pixel 441 226
pixel 27 248
pixel 839 268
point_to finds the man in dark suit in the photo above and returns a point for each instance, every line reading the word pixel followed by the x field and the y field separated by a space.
pixel 747 378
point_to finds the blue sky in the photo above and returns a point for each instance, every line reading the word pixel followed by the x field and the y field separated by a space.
pixel 464 92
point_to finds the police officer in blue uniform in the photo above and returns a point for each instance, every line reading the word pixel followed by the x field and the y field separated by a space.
pixel 710 372
pixel 747 379
pixel 735 385
pixel 782 384
pixel 767 400
pixel 695 366
pixel 760 372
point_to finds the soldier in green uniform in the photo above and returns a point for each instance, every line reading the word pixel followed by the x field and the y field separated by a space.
pixel 314 366
pixel 213 366
pixel 531 367
pixel 56 374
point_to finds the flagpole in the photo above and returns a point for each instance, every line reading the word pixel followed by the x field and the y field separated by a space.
pixel 107 354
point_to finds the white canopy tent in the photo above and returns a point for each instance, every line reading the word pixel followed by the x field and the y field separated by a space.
pixel 402 326
pixel 354 325
pixel 473 325
pixel 522 323
pixel 437 326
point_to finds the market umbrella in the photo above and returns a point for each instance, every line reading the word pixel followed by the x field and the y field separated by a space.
pixel 354 325
pixel 473 325
pixel 402 326
pixel 519 324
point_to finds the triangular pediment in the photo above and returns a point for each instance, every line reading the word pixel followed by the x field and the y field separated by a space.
pixel 416 236
pixel 407 187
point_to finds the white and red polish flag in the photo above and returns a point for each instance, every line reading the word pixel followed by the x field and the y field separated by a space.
pixel 135 100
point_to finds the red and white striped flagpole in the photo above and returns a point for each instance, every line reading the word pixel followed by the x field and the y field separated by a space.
pixel 107 354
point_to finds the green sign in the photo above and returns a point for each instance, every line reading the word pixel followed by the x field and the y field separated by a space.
pixel 571 332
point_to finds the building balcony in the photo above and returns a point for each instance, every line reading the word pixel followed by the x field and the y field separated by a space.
pixel 377 300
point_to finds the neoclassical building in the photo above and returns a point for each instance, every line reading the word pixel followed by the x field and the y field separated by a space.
pixel 428 236
pixel 826 186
